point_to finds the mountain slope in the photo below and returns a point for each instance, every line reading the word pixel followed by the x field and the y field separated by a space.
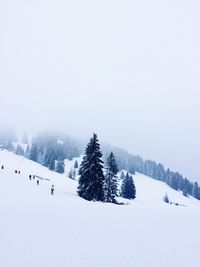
pixel 38 229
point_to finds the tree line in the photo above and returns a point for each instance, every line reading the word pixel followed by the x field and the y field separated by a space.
pixel 157 171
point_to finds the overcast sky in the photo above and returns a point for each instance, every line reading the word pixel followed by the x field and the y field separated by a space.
pixel 129 70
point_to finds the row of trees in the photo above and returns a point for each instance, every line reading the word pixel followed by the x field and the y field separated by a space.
pixel 47 159
pixel 94 185
pixel 50 150
pixel 154 170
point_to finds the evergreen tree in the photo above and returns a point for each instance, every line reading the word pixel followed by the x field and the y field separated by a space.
pixel 166 198
pixel 27 152
pixel 111 180
pixel 185 192
pixel 74 173
pixel 167 176
pixel 128 187
pixel 49 157
pixel 41 157
pixel 51 164
pixel 174 181
pixel 188 187
pixel 60 166
pixel 160 173
pixel 9 145
pixel 33 152
pixel 76 164
pixel 196 191
pixel 19 150
pixel 91 172
pixel 71 174
pixel 181 183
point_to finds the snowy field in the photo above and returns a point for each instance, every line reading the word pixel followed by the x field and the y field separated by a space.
pixel 63 230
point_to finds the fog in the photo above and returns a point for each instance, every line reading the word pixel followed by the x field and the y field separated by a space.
pixel 128 70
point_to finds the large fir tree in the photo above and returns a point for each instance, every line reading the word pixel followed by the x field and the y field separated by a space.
pixel 91 172
pixel 111 180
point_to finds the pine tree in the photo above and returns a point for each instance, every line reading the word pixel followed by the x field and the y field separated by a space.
pixel 9 146
pixel 76 164
pixel 111 180
pixel 185 192
pixel 33 152
pixel 27 152
pixel 181 183
pixel 41 157
pixel 196 190
pixel 74 173
pixel 49 157
pixel 71 174
pixel 91 172
pixel 174 181
pixel 51 164
pixel 188 187
pixel 160 173
pixel 60 166
pixel 166 198
pixel 128 187
pixel 167 176
pixel 19 150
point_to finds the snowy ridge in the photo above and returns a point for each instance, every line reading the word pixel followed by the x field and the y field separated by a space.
pixel 40 230
pixel 151 191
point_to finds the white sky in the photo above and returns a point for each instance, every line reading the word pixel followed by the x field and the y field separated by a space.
pixel 129 70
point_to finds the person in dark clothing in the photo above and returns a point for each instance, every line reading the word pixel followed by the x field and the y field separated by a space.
pixel 2 167
pixel 15 171
pixel 30 176
pixel 38 182
pixel 18 172
pixel 52 189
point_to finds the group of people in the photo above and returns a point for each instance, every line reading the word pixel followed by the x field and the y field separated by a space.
pixel 32 177
pixel 38 182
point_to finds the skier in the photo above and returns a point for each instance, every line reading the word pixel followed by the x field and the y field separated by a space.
pixel 38 182
pixel 15 171
pixel 2 167
pixel 52 189
pixel 30 176
pixel 18 172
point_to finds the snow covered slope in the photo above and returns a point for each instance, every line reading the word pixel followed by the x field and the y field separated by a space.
pixel 150 191
pixel 63 230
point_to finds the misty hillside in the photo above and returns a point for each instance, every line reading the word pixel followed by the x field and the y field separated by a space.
pixel 47 148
